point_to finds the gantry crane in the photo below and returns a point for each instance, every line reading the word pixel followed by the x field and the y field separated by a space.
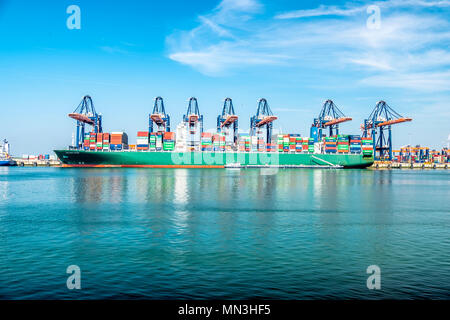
pixel 193 120
pixel 85 114
pixel 381 119
pixel 159 117
pixel 193 116
pixel 329 117
pixel 228 119
pixel 263 118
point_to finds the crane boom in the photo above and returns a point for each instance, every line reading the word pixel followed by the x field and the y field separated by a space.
pixel 395 121
pixel 336 121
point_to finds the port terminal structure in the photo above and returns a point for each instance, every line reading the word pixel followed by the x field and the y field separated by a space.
pixel 228 120
pixel 379 126
pixel 329 117
pixel 85 114
pixel 262 120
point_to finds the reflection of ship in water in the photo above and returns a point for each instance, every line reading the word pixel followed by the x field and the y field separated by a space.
pixel 5 158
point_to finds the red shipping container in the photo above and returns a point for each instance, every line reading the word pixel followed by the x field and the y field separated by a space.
pixel 142 134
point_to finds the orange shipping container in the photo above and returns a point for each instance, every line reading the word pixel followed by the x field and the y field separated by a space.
pixel 169 135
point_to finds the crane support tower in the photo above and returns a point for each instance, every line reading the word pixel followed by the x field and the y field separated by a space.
pixel 85 114
pixel 379 126
pixel 263 119
pixel 329 117
pixel 159 117
pixel 228 119
pixel 193 121
pixel 193 116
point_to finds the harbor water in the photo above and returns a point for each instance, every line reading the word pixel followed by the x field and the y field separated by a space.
pixel 224 233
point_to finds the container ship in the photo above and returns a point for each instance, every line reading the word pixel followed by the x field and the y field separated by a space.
pixel 190 147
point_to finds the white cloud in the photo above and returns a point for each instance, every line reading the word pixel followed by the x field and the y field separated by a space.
pixel 320 11
pixel 239 5
pixel 411 47
pixel 425 81
pixel 350 10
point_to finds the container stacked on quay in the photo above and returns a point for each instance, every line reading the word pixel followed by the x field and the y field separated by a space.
pixel 418 154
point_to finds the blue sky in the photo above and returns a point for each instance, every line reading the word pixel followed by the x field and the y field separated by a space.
pixel 296 54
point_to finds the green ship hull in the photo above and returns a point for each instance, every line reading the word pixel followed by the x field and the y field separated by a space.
pixel 162 159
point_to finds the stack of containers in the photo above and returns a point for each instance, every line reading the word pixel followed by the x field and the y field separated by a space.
pixel 305 142
pixel 292 142
pixel 286 143
pixel 87 142
pixel 206 141
pixel 92 141
pixel 342 143
pixel 330 145
pixel 169 141
pixel 152 145
pixel 271 147
pixel 218 141
pixel 222 139
pixel 106 141
pixel 355 144
pixel 253 143
pixel 142 141
pixel 99 144
pixel 261 145
pixel 241 145
pixel 244 143
pixel 119 141
pixel 298 144
pixel 280 138
pixel 311 145
pixel 367 146
pixel 159 141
